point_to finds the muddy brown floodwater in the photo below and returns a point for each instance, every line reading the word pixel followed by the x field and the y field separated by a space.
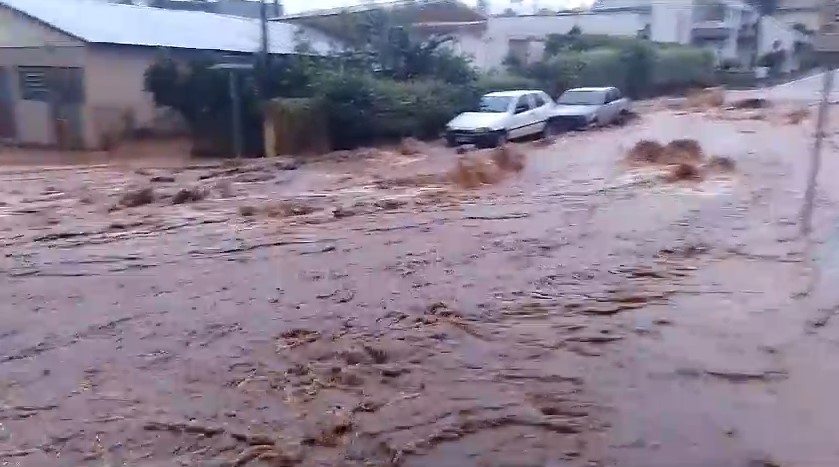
pixel 585 311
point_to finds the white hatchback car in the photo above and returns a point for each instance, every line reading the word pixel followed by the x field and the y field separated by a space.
pixel 502 116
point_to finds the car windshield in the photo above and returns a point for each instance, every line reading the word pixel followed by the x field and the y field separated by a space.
pixel 497 104
pixel 582 98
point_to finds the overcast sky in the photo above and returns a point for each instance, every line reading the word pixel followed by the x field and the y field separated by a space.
pixel 296 6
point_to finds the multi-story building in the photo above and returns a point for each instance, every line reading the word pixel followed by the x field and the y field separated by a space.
pixel 727 27
pixel 826 40
pixel 800 14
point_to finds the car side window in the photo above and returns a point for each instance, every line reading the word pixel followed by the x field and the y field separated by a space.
pixel 616 94
pixel 607 96
pixel 546 98
pixel 538 101
pixel 531 101
pixel 522 105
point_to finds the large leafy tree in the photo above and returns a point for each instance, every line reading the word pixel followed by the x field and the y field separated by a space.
pixel 380 43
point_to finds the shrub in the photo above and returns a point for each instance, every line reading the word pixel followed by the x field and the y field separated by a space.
pixel 639 67
pixel 681 68
pixel 576 41
pixel 363 109
pixel 637 60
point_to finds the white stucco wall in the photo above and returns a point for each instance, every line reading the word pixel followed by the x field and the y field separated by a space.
pixel 671 21
pixel 791 17
pixel 472 44
pixel 490 48
pixel 114 87
pixel 773 30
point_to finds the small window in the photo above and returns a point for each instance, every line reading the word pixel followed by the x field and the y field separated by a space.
pixel 616 94
pixel 33 83
pixel 538 101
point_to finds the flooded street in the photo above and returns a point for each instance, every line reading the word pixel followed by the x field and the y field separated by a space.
pixel 370 311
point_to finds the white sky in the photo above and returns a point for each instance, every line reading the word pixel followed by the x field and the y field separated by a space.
pixel 296 6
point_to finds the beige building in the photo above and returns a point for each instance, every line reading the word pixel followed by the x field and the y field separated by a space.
pixel 72 71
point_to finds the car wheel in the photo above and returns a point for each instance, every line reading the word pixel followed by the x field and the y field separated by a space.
pixel 500 139
pixel 623 118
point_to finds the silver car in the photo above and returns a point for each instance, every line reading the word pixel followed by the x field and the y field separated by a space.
pixel 585 107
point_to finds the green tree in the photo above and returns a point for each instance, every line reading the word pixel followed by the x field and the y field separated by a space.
pixel 380 44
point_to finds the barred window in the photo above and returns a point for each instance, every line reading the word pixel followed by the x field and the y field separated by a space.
pixel 33 83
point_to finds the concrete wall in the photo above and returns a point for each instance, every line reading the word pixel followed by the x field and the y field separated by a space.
pixel 772 30
pixel 473 44
pixel 116 99
pixel 791 17
pixel 490 48
pixel 671 21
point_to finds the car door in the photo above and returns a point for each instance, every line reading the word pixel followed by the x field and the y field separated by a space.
pixel 540 111
pixel 611 107
pixel 534 120
pixel 521 118
pixel 603 109
pixel 618 104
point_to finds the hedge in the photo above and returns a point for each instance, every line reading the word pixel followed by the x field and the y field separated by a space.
pixel 639 69
pixel 363 109
pixel 678 69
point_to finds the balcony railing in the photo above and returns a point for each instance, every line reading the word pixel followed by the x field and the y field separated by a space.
pixel 712 29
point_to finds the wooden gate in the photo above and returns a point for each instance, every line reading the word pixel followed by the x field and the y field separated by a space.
pixel 67 92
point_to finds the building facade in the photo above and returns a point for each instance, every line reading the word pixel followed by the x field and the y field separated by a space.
pixel 799 12
pixel 74 80
pixel 728 28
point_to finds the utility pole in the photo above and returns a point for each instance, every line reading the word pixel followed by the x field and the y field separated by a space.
pixel 263 60
pixel 816 154
pixel 827 45
pixel 263 23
